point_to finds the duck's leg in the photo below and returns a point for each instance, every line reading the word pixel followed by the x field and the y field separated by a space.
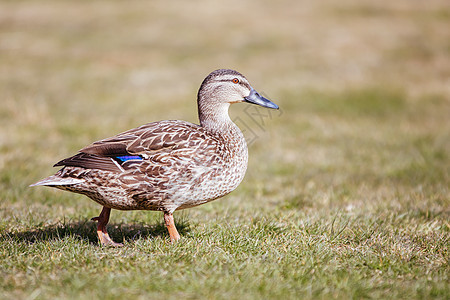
pixel 170 224
pixel 103 235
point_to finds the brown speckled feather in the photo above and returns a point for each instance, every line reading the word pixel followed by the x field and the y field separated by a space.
pixel 157 136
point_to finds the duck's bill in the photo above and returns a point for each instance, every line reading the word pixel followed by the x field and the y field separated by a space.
pixel 256 98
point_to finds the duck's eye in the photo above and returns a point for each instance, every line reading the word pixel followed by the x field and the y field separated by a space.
pixel 235 80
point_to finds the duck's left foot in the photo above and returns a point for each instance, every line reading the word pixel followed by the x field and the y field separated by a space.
pixel 103 235
pixel 170 224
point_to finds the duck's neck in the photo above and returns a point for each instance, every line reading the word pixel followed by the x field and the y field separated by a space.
pixel 216 120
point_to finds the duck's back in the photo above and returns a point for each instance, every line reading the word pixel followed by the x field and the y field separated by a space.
pixel 164 165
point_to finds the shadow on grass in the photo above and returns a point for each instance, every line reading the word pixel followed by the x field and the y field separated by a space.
pixel 87 230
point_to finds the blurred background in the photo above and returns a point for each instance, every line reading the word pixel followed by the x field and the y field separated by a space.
pixel 363 86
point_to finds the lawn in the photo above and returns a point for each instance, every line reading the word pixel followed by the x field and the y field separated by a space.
pixel 347 189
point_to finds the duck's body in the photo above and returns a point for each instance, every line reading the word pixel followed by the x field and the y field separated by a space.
pixel 166 165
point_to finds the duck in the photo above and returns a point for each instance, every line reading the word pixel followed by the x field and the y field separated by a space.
pixel 166 165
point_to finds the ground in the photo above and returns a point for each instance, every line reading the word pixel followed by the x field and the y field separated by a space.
pixel 347 190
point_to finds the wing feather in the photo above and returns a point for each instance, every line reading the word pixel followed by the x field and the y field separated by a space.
pixel 90 161
pixel 158 143
pixel 150 137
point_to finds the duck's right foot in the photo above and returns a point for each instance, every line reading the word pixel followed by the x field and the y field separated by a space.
pixel 103 235
pixel 105 240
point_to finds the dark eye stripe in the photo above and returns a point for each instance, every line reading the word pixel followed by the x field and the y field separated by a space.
pixel 240 82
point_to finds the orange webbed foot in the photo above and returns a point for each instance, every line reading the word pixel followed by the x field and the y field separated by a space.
pixel 102 233
pixel 170 224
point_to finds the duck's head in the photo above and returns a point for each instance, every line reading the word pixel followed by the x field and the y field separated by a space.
pixel 224 87
pixel 230 86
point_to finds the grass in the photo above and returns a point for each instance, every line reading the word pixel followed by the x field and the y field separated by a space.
pixel 346 195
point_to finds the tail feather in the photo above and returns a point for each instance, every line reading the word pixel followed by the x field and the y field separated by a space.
pixel 56 180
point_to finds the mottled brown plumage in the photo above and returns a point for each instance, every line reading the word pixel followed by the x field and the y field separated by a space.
pixel 166 165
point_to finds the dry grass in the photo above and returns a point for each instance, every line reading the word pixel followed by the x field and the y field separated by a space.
pixel 347 189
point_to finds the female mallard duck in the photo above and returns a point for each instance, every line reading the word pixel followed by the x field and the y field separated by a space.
pixel 166 165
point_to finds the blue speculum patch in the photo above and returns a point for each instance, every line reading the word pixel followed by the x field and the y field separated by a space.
pixel 129 157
